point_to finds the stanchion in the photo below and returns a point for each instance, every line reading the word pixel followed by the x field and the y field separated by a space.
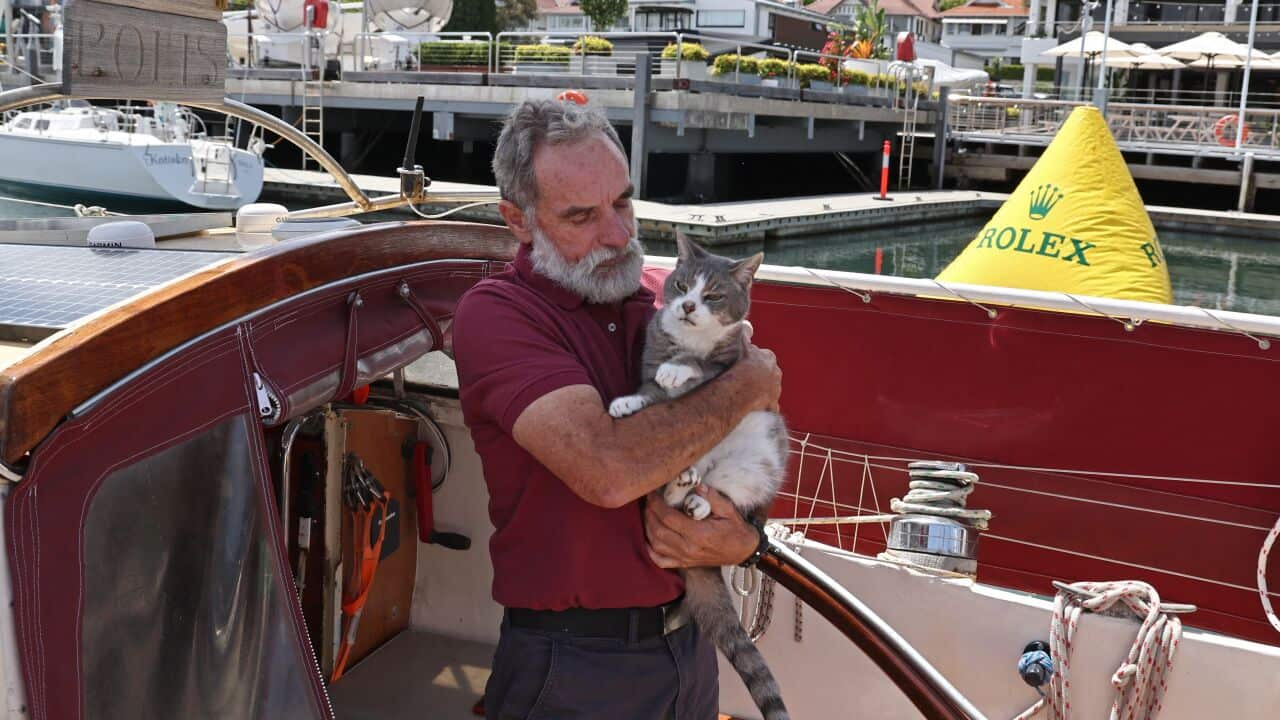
pixel 884 173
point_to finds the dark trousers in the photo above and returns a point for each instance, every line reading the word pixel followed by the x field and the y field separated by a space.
pixel 553 676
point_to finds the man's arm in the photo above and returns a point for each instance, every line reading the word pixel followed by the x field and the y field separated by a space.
pixel 611 462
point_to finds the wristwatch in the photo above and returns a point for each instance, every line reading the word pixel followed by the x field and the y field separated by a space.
pixel 763 545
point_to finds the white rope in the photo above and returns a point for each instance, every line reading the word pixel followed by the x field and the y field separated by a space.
pixel 863 296
pixel 991 314
pixel 947 499
pixel 1142 678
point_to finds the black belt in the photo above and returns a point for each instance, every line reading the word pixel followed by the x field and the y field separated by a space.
pixel 629 624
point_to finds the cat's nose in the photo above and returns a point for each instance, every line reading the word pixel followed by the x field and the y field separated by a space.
pixel 688 307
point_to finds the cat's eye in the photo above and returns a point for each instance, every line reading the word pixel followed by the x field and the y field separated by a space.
pixel 681 286
pixel 713 297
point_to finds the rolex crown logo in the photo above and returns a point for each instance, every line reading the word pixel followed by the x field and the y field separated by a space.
pixel 1043 199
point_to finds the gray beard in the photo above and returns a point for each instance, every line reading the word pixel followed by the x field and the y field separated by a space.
pixel 582 278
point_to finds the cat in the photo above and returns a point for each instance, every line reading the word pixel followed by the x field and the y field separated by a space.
pixel 699 333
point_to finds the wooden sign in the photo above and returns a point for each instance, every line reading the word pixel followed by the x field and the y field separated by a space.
pixel 119 52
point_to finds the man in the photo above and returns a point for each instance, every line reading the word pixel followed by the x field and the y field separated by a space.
pixel 592 627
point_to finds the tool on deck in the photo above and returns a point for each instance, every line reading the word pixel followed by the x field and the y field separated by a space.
pixel 368 502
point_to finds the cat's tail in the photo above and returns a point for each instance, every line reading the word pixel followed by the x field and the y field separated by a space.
pixel 707 597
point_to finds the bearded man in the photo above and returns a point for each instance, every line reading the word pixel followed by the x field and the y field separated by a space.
pixel 591 627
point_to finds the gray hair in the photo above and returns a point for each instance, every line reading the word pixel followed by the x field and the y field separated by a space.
pixel 536 121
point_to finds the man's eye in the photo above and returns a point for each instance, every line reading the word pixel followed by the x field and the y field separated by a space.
pixel 681 286
pixel 713 297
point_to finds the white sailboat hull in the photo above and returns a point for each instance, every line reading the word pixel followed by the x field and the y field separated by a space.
pixel 212 176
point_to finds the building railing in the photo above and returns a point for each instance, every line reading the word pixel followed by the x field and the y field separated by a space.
pixel 553 53
pixel 32 54
pixel 424 51
pixel 1181 128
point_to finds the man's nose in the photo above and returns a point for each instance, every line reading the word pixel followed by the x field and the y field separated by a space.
pixel 618 234
pixel 688 307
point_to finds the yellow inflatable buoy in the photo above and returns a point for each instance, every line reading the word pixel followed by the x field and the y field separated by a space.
pixel 1075 224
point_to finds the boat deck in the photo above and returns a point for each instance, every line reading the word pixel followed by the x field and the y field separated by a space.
pixel 417 674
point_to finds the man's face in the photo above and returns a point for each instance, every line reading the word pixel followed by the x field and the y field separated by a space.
pixel 583 228
pixel 584 197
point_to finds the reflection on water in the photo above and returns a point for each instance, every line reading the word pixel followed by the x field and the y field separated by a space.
pixel 1225 273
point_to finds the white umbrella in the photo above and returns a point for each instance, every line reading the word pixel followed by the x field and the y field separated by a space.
pixel 1261 61
pixel 1214 49
pixel 1091 45
pixel 1146 59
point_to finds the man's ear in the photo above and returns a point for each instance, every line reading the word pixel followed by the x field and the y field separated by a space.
pixel 516 221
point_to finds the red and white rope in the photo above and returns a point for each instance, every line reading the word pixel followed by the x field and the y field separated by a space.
pixel 1142 678
pixel 1262 575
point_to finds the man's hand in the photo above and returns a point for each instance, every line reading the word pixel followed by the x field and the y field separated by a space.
pixel 758 368
pixel 676 540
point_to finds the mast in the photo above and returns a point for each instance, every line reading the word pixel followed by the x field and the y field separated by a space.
pixel 1244 88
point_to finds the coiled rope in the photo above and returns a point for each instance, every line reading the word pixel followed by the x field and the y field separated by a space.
pixel 1141 680
pixel 1262 575
pixel 934 491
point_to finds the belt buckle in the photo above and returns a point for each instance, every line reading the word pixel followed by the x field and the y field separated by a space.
pixel 674 617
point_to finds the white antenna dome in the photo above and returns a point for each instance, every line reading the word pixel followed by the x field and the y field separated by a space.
pixel 409 15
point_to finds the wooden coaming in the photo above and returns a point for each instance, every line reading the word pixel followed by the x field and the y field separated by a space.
pixel 45 386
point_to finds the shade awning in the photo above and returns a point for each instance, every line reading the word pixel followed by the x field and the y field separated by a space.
pixel 1091 45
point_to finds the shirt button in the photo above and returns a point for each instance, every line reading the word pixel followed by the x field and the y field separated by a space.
pixel 613 327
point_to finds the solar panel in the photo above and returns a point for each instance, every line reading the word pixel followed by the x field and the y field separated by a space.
pixel 44 288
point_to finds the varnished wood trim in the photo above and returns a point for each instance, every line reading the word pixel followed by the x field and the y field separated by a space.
pixel 42 388
pixel 932 701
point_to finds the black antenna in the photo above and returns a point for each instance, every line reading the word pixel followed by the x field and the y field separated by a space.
pixel 411 149
pixel 412 180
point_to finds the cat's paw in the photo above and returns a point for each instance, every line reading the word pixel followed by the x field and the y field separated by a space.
pixel 697 507
pixel 677 490
pixel 688 478
pixel 626 405
pixel 673 375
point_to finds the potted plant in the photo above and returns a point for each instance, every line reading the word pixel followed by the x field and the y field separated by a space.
pixel 775 73
pixel 542 59
pixel 854 82
pixel 691 63
pixel 593 56
pixel 742 69
pixel 453 56
pixel 815 77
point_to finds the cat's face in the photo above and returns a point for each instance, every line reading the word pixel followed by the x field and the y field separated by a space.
pixel 707 295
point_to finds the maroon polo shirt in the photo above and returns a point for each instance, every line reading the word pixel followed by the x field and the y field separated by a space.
pixel 516 337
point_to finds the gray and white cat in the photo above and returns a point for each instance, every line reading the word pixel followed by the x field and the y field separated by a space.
pixel 698 334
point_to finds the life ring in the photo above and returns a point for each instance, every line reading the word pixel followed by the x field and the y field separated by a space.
pixel 1220 131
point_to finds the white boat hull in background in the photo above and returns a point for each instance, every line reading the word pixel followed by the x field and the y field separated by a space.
pixel 207 175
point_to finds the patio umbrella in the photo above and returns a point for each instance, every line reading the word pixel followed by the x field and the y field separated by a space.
pixel 1144 59
pixel 1089 46
pixel 1213 48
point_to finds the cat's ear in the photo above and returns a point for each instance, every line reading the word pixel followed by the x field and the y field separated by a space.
pixel 688 248
pixel 745 270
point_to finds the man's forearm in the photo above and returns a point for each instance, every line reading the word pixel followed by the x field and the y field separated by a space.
pixel 653 446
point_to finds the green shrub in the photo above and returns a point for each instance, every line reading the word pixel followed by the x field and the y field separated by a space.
pixel 454 53
pixel 728 64
pixel 591 45
pixel 812 72
pixel 773 68
pixel 1044 74
pixel 1012 112
pixel 688 51
pixel 854 77
pixel 557 54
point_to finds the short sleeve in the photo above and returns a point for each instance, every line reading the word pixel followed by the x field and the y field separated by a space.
pixel 509 353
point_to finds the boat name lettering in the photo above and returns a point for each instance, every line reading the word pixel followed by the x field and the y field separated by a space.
pixel 153 160
pixel 123 52
pixel 1048 244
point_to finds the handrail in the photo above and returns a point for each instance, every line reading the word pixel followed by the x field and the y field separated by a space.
pixel 363 40
pixel 924 686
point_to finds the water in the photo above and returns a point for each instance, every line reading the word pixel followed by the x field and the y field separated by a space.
pixel 1225 273
pixel 1228 273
